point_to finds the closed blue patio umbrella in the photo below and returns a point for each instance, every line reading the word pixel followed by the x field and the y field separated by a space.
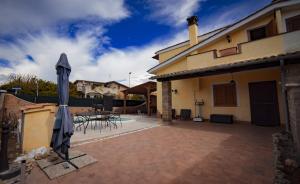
pixel 63 126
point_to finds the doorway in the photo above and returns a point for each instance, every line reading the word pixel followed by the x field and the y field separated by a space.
pixel 264 103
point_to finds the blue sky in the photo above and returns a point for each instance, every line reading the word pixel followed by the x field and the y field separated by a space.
pixel 104 40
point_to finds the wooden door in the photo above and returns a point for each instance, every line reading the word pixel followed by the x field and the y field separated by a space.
pixel 264 103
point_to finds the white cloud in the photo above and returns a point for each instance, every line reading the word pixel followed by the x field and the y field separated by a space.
pixel 114 64
pixel 33 18
pixel 173 12
pixel 17 16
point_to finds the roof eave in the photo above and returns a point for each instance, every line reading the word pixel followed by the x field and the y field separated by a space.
pixel 218 35
pixel 215 69
pixel 186 42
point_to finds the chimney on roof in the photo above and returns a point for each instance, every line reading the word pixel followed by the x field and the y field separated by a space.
pixel 193 30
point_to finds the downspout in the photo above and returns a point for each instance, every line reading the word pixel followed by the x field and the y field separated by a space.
pixel 284 96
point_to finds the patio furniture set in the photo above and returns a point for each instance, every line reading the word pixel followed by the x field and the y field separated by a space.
pixel 101 119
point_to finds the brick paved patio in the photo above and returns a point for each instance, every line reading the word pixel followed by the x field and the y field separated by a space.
pixel 182 153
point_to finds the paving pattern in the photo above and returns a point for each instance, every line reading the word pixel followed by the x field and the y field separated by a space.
pixel 182 153
pixel 54 166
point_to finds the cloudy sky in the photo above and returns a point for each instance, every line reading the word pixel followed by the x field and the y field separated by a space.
pixel 103 39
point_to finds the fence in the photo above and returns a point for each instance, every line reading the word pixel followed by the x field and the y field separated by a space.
pixel 78 102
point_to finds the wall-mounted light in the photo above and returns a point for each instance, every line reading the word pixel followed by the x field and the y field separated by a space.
pixel 174 91
pixel 232 81
pixel 228 38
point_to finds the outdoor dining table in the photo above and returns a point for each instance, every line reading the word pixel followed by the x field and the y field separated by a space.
pixel 96 116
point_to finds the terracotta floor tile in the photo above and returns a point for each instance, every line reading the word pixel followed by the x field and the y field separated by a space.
pixel 182 153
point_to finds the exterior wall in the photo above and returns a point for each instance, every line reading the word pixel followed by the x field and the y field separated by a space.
pixel 166 55
pixel 187 92
pixel 113 89
pixel 185 45
pixel 238 36
pixel 291 41
pixel 262 48
pixel 37 126
pixel 193 89
pixel 207 57
pixel 280 44
pixel 178 66
pixel 196 88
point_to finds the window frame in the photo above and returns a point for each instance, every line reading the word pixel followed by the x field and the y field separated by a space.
pixel 259 27
pixel 235 104
pixel 287 19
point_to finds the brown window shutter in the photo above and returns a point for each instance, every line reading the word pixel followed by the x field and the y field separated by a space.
pixel 231 95
pixel 225 95
pixel 293 23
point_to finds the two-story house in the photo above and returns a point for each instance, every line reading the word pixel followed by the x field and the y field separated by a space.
pixel 93 89
pixel 237 70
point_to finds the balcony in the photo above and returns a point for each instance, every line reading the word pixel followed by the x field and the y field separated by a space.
pixel 275 45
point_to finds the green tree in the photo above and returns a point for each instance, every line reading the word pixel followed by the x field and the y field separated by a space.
pixel 137 97
pixel 29 84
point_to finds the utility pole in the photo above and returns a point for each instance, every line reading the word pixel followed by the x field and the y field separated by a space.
pixel 129 79
pixel 37 88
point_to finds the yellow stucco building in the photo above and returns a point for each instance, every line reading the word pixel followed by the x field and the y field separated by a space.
pixel 236 70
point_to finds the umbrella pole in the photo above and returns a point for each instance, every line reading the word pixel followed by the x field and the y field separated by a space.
pixel 66 158
pixel 67 155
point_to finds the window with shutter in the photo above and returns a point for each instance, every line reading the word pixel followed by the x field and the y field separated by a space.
pixel 293 23
pixel 258 33
pixel 225 95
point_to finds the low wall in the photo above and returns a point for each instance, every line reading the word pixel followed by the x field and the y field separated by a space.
pixel 130 110
pixel 37 125
pixel 13 104
pixel 75 110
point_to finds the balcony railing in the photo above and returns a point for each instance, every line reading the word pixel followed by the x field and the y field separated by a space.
pixel 275 45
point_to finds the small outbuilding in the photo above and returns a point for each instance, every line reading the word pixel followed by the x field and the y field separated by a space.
pixel 147 89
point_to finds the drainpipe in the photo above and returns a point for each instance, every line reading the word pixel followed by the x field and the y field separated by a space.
pixel 284 96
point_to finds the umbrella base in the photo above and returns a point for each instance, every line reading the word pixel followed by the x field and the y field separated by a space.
pixel 67 160
pixel 55 166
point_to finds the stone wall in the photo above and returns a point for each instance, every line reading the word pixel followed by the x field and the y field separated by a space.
pixel 166 101
pixel 292 73
pixel 284 157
